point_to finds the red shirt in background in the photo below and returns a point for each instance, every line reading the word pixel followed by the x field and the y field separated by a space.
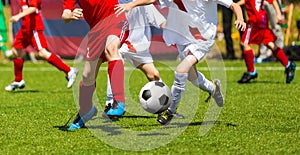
pixel 94 11
pixel 33 21
pixel 257 16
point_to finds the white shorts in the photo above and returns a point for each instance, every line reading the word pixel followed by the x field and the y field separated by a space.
pixel 198 49
pixel 135 58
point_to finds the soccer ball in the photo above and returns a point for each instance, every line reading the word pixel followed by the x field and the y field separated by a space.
pixel 155 97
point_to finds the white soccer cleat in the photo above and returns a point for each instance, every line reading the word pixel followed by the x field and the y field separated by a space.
pixel 14 85
pixel 217 94
pixel 72 77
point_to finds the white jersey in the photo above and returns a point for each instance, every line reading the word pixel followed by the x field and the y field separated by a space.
pixel 201 14
pixel 140 20
pixel 138 42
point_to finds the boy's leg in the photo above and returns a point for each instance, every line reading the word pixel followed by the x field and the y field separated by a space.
pixel 40 43
pixel 180 80
pixel 212 87
pixel 54 60
pixel 150 71
pixel 71 73
pixel 177 89
pixel 18 45
pixel 200 81
pixel 86 91
pixel 278 53
pixel 249 61
pixel 116 76
pixel 109 94
pixel 18 71
pixel 290 67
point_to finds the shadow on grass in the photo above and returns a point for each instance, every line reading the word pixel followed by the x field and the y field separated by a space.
pixel 153 134
pixel 65 128
pixel 258 82
pixel 40 91
pixel 26 91
pixel 57 92
pixel 114 130
pixel 200 124
pixel 111 130
pixel 117 118
pixel 270 82
pixel 136 116
pixel 62 128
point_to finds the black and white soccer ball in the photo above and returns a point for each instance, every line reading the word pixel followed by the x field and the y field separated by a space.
pixel 155 97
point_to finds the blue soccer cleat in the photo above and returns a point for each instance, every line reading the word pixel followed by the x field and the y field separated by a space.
pixel 290 72
pixel 79 121
pixel 117 109
pixel 76 124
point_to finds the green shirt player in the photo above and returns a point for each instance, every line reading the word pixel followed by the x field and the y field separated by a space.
pixel 3 30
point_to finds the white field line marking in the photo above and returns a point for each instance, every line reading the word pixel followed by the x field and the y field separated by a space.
pixel 51 69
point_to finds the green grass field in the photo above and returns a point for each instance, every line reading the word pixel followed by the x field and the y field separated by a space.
pixel 258 118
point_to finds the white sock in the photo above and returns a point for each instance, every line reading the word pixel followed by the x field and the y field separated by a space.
pixel 203 83
pixel 109 94
pixel 160 80
pixel 177 90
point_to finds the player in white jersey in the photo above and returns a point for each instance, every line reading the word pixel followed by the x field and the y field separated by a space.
pixel 135 49
pixel 192 49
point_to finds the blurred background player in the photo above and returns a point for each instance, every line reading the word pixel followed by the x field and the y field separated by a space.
pixel 227 15
pixel 135 49
pixel 258 32
pixel 191 49
pixel 31 33
pixel 264 52
pixel 3 30
pixel 104 40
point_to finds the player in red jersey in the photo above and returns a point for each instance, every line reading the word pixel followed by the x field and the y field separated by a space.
pixel 104 40
pixel 258 32
pixel 31 33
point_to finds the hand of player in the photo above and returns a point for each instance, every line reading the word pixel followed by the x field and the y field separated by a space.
pixel 14 19
pixel 69 15
pixel 77 14
pixel 240 25
pixel 279 19
pixel 121 8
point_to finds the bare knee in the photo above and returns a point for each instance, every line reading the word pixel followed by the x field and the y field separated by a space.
pixel 111 48
pixel 246 47
pixel 153 76
pixel 18 53
pixel 88 78
pixel 272 46
pixel 43 53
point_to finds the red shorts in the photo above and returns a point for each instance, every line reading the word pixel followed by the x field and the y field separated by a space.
pixel 97 37
pixel 255 35
pixel 33 38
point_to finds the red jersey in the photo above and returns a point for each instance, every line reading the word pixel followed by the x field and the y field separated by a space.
pixel 257 16
pixel 100 15
pixel 94 11
pixel 33 21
